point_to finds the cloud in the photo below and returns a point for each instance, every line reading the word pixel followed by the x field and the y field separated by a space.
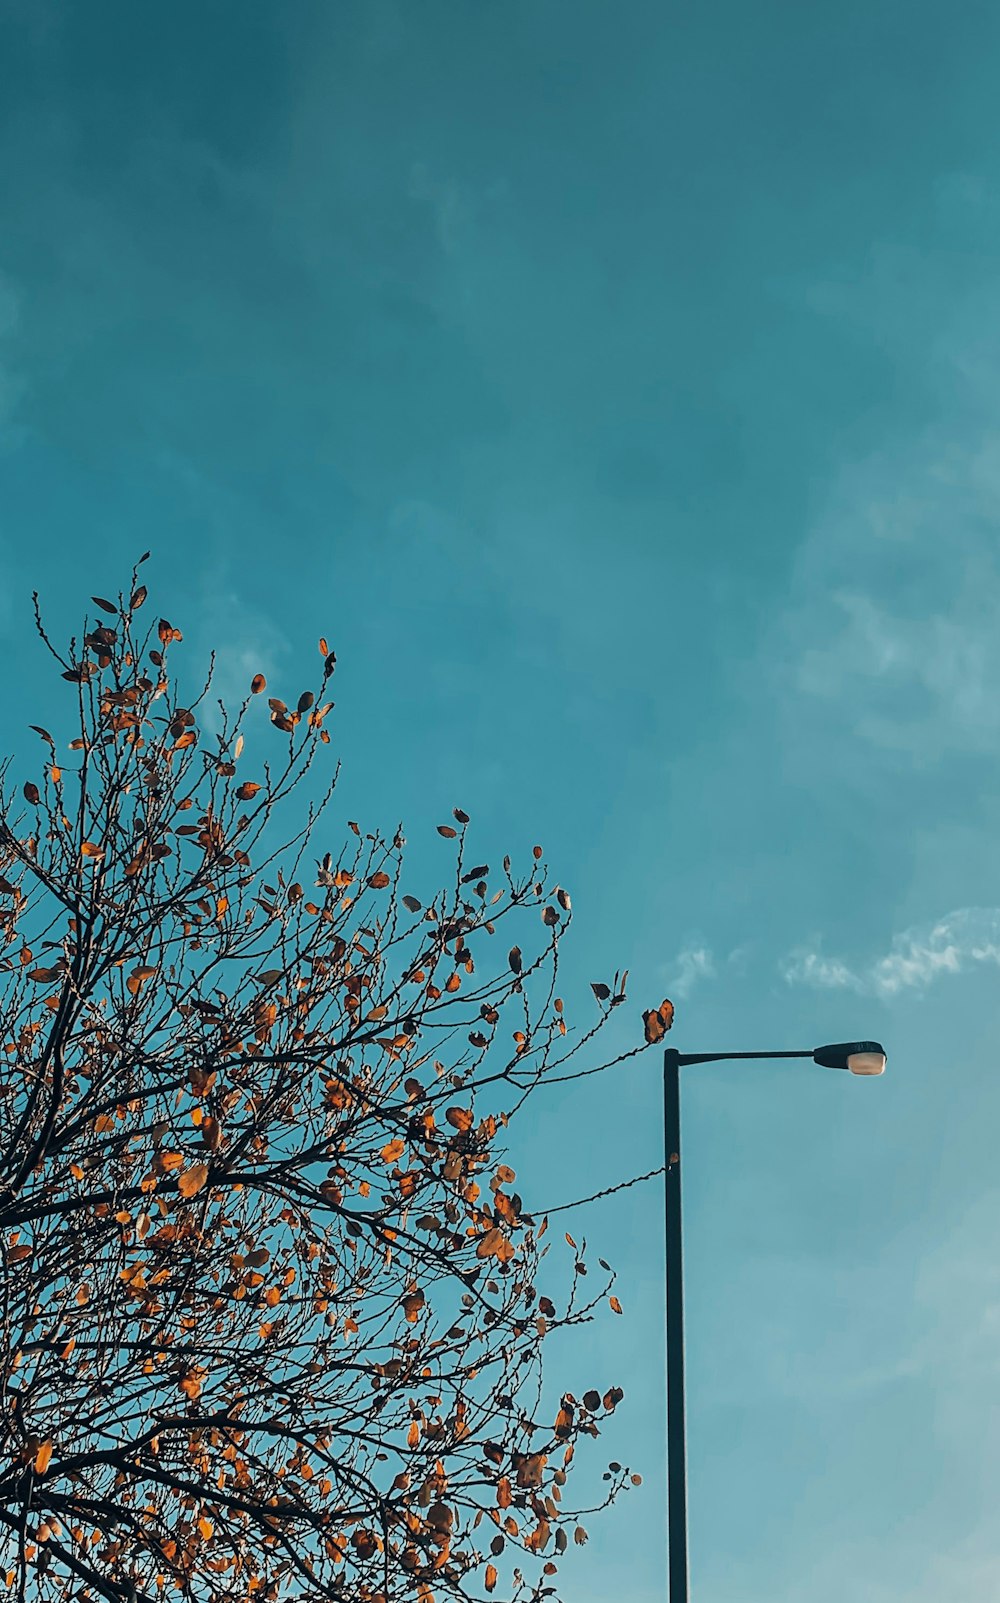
pixel 917 957
pixel 922 683
pixel 890 642
pixel 811 968
pixel 694 963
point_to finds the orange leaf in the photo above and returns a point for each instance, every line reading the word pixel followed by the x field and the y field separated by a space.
pixel 491 1577
pixel 88 849
pixel 379 881
pixel 248 791
pixel 17 1253
pixel 393 1150
pixel 206 1527
pixel 192 1180
pixel 615 1304
pixel 658 1021
pixel 42 1458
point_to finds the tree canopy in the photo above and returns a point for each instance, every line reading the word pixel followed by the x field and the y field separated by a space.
pixel 272 1312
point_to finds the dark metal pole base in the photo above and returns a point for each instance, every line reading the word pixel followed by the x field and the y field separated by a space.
pixel 676 1443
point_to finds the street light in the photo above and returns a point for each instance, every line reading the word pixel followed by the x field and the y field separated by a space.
pixel 857 1057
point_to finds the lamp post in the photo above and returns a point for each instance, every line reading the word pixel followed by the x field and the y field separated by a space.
pixel 858 1057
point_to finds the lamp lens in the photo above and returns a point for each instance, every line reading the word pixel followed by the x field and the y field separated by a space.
pixel 866 1062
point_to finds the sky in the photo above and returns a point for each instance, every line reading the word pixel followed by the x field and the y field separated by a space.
pixel 616 387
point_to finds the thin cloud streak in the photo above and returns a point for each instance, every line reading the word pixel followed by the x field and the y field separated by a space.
pixel 694 963
pixel 917 957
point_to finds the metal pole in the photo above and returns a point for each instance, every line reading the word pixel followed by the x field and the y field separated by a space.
pixel 676 1443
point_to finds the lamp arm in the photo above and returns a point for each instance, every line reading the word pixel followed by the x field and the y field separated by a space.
pixel 684 1058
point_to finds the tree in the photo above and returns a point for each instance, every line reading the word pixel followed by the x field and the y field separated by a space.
pixel 271 1321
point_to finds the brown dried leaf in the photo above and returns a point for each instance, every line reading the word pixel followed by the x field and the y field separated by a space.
pixel 658 1021
pixel 193 1179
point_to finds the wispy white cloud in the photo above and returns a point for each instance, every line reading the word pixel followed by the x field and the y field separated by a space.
pixel 922 683
pixel 804 967
pixel 890 634
pixel 916 958
pixel 692 964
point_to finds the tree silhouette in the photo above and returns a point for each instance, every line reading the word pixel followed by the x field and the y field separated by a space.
pixel 271 1322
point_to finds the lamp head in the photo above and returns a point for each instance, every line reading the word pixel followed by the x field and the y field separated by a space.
pixel 859 1057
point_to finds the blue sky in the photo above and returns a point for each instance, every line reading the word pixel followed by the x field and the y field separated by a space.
pixel 616 388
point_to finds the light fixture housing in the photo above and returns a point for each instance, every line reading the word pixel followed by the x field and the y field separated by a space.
pixel 858 1057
